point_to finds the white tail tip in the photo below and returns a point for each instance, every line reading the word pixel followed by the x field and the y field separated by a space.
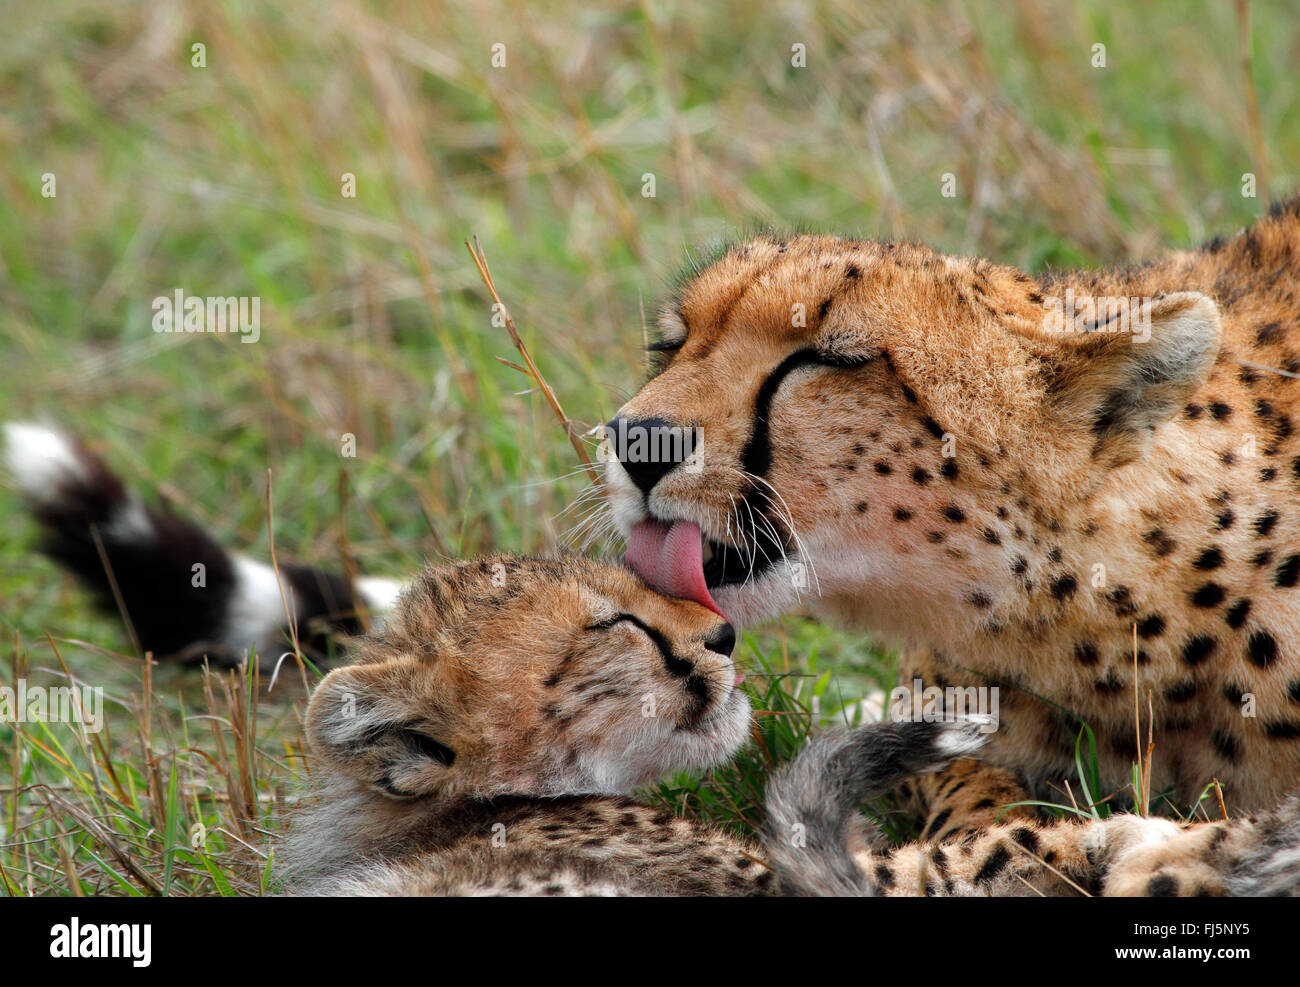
pixel 42 459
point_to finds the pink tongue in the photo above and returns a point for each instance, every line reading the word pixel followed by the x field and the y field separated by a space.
pixel 670 558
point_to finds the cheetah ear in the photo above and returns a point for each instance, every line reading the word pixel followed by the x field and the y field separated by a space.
pixel 1120 385
pixel 358 728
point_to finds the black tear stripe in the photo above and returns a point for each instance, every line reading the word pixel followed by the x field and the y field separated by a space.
pixel 678 667
pixel 756 458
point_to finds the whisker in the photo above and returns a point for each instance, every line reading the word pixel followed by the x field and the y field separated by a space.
pixel 773 496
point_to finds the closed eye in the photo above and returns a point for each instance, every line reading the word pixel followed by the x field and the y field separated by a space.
pixel 665 346
pixel 608 622
pixel 846 361
pixel 676 666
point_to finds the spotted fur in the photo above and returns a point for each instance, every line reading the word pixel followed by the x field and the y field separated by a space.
pixel 813 827
pixel 907 442
pixel 819 844
pixel 489 739
pixel 495 728
pixel 1123 856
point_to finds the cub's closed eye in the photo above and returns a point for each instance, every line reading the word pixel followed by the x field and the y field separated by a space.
pixel 608 622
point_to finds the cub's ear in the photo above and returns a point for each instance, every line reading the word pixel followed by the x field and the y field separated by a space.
pixel 359 725
pixel 1121 385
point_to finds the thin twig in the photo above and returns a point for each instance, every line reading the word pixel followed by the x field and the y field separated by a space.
pixel 1268 369
pixel 531 371
pixel 1029 886
pixel 1218 792
pixel 1044 863
pixel 1151 744
pixel 117 592
pixel 106 839
pixel 1140 793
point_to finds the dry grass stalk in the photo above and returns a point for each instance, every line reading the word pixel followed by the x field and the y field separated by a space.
pixel 530 370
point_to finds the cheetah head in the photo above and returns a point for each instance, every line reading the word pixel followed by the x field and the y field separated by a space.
pixel 531 676
pixel 854 423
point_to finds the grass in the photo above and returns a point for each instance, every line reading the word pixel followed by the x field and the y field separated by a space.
pixel 226 180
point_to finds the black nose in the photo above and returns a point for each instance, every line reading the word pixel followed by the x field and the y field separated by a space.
pixel 649 448
pixel 723 640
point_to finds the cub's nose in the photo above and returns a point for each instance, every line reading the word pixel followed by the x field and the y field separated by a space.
pixel 722 641
pixel 649 448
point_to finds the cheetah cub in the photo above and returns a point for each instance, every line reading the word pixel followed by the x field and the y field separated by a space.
pixel 488 739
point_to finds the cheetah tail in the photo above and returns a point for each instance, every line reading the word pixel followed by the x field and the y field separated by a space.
pixel 814 800
pixel 184 594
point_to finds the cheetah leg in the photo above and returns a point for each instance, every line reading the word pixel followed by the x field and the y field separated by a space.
pixel 1125 855
pixel 969 796
pixel 1008 860
pixel 1158 858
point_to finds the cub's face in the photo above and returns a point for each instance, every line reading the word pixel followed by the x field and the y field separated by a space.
pixel 873 426
pixel 532 676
